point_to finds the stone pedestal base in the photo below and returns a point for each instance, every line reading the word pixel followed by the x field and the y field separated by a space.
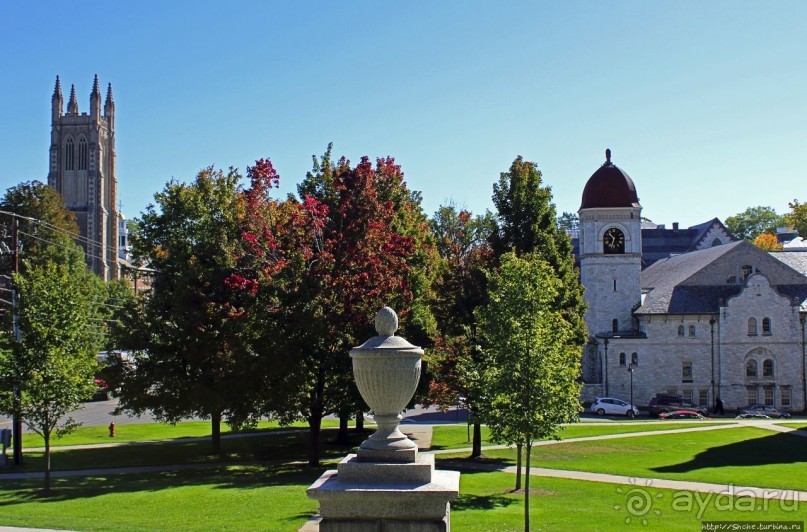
pixel 366 496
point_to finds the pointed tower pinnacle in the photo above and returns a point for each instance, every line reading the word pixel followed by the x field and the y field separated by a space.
pixel 72 105
pixel 57 90
pixel 95 91
pixel 109 104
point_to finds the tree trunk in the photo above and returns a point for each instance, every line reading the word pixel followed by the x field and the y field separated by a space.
pixel 342 438
pixel 476 447
pixel 215 432
pixel 527 490
pixel 47 461
pixel 518 466
pixel 314 425
pixel 359 421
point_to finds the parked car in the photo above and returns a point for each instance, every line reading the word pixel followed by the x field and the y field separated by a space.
pixel 681 414
pixel 765 410
pixel 614 407
pixel 101 392
pixel 663 403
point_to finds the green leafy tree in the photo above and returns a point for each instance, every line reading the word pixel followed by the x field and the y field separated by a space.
pixel 569 222
pixel 527 223
pixel 797 217
pixel 462 241
pixel 754 221
pixel 60 316
pixel 192 347
pixel 47 229
pixel 533 353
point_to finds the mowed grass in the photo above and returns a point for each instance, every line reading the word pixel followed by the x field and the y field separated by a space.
pixel 143 432
pixel 274 499
pixel 273 445
pixel 456 436
pixel 487 504
pixel 740 456
pixel 227 498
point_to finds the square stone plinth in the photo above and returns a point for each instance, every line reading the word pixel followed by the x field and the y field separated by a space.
pixel 379 503
pixel 353 469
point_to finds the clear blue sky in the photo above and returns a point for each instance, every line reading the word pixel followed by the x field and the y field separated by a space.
pixel 704 104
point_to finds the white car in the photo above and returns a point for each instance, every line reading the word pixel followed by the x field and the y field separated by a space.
pixel 603 406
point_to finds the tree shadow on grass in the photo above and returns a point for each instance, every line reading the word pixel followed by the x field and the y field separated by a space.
pixel 482 502
pixel 777 448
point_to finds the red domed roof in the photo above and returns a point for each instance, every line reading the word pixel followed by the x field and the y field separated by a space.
pixel 609 186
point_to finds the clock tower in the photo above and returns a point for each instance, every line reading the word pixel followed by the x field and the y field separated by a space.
pixel 610 250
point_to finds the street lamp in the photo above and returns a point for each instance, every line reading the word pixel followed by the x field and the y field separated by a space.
pixel 605 342
pixel 630 370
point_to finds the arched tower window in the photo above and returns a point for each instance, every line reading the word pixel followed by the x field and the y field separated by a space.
pixel 634 358
pixel 766 326
pixel 621 359
pixel 615 325
pixel 82 153
pixel 681 330
pixel 751 368
pixel 716 242
pixel 767 368
pixel 69 154
pixel 752 327
pixel 692 330
pixel 613 242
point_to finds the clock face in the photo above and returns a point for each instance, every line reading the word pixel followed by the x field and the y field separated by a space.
pixel 613 241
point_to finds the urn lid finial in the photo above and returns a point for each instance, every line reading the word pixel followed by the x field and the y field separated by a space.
pixel 386 322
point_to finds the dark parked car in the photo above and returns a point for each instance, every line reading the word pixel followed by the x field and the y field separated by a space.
pixel 662 403
pixel 681 414
pixel 760 411
pixel 101 392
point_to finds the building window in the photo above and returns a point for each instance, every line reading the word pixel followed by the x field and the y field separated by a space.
pixel 686 372
pixel 716 242
pixel 634 359
pixel 766 326
pixel 692 330
pixel 767 368
pixel 615 325
pixel 785 396
pixel 69 154
pixel 82 153
pixel 688 396
pixel 753 396
pixel 703 397
pixel 751 368
pixel 768 392
pixel 732 279
pixel 621 359
pixel 746 272
pixel 681 330
pixel 752 327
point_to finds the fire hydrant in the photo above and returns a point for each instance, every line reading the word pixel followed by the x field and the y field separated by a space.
pixel 112 430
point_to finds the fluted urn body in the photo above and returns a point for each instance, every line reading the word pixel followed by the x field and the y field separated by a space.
pixel 387 370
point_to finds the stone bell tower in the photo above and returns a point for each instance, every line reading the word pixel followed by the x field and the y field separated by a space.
pixel 82 170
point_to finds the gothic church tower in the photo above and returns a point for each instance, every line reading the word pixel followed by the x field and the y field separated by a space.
pixel 82 169
pixel 610 250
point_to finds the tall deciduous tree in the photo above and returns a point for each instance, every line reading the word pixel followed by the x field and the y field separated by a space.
pixel 362 243
pixel 533 355
pixel 193 356
pixel 754 221
pixel 462 241
pixel 797 217
pixel 767 242
pixel 60 333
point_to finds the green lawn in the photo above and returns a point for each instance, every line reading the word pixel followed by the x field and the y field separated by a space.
pixel 456 436
pixel 138 432
pixel 277 445
pixel 260 498
pixel 741 456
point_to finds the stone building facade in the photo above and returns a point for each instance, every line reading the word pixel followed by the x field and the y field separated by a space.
pixel 82 170
pixel 724 321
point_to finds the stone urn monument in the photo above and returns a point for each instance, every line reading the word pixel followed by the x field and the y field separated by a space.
pixel 387 485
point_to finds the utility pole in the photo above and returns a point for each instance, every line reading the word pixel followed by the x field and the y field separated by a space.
pixel 16 425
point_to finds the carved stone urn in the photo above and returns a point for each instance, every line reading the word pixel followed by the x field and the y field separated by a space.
pixel 387 370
